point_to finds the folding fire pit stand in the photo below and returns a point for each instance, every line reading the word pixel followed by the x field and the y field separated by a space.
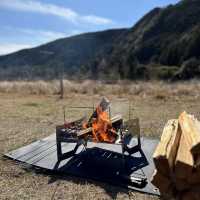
pixel 72 135
pixel 64 135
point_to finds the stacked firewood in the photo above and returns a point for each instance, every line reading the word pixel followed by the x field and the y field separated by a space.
pixel 177 159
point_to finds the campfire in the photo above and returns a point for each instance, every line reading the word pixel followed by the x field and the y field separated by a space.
pixel 102 129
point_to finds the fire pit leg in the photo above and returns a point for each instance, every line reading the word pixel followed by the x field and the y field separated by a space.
pixel 62 156
pixel 59 139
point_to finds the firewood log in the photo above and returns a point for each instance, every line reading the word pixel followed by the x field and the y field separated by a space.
pixel 194 177
pixel 162 183
pixel 181 184
pixel 191 131
pixel 165 153
pixel 190 195
pixel 184 162
pixel 114 120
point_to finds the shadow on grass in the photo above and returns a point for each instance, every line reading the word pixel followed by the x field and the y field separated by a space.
pixel 101 168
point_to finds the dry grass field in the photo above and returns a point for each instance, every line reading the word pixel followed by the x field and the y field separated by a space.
pixel 30 111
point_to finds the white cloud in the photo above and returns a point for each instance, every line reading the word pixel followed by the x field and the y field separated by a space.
pixel 12 47
pixel 51 9
pixel 96 20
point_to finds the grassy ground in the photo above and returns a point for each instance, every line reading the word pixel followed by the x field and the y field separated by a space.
pixel 26 117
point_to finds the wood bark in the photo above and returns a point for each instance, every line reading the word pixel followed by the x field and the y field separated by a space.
pixel 162 182
pixel 165 153
pixel 184 162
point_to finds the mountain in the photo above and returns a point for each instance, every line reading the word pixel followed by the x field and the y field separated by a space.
pixel 164 44
pixel 69 55
pixel 166 38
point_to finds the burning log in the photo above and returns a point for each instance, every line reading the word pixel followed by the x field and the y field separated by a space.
pixel 116 122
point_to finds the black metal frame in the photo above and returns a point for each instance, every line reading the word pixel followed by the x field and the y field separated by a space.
pixel 61 137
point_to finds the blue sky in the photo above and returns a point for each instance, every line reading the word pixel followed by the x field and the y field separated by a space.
pixel 29 23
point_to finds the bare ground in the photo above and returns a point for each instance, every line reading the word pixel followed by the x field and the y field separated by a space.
pixel 25 118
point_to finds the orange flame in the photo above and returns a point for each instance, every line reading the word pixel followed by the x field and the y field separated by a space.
pixel 102 127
